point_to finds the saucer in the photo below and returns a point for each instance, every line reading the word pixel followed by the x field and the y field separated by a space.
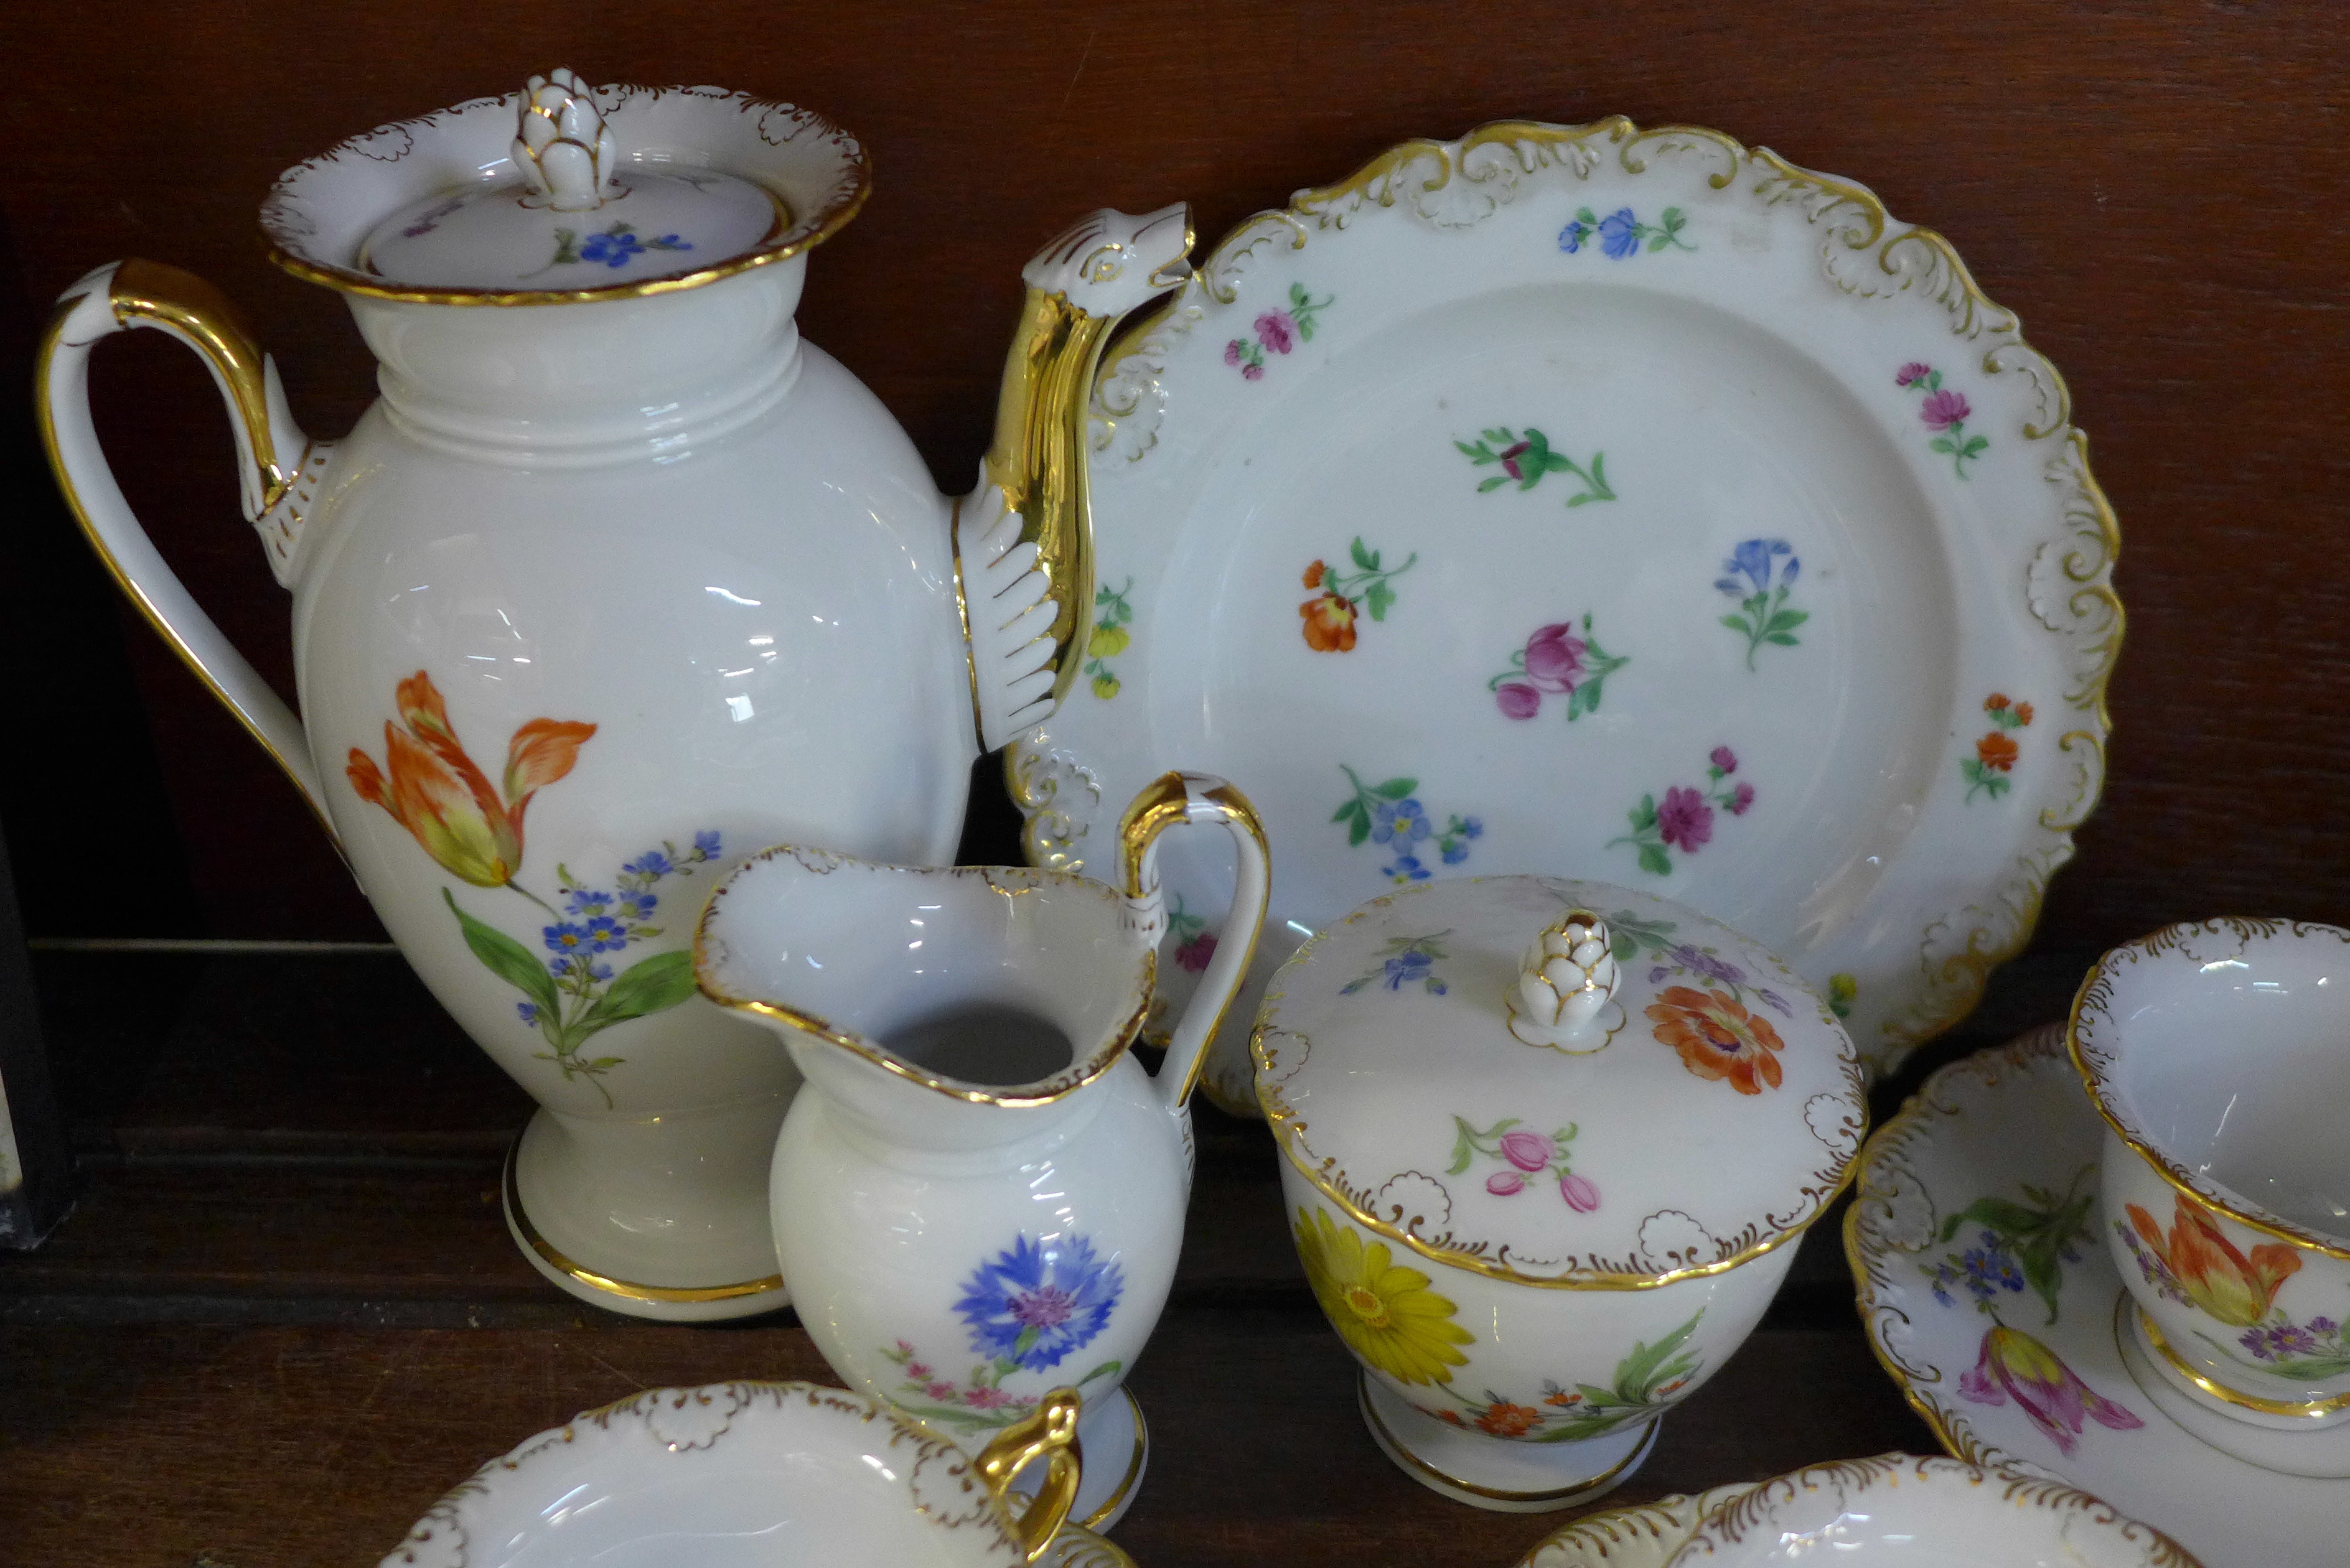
pixel 1644 1535
pixel 729 1475
pixel 1974 1218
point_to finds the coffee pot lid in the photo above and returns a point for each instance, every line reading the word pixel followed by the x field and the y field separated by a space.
pixel 1559 1082
pixel 563 192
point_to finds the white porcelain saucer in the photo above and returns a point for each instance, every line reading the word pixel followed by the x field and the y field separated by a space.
pixel 1959 1229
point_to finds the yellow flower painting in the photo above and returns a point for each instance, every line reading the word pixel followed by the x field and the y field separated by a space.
pixel 1385 1312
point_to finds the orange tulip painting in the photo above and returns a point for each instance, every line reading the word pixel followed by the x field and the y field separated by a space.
pixel 435 791
pixel 2209 1270
pixel 430 786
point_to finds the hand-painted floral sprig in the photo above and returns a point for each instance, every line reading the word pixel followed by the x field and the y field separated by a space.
pixel 1554 660
pixel 1646 1381
pixel 1407 960
pixel 1330 617
pixel 1108 638
pixel 1388 813
pixel 2024 1245
pixel 1526 458
pixel 1028 1310
pixel 1194 943
pixel 430 786
pixel 1685 820
pixel 2197 1266
pixel 1762 613
pixel 1944 412
pixel 1996 753
pixel 1278 330
pixel 1527 1154
pixel 1620 234
pixel 614 247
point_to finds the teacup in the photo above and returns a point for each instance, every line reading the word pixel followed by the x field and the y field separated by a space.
pixel 2218 1054
pixel 1898 1509
pixel 755 1475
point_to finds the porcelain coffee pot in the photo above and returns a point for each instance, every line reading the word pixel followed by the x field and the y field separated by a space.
pixel 617 551
pixel 979 1194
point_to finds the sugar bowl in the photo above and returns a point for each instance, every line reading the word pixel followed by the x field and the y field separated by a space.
pixel 1546 1144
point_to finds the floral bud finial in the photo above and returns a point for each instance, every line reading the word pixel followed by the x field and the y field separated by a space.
pixel 563 147
pixel 1566 985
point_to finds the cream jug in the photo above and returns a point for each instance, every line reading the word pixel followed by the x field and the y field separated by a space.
pixel 618 578
pixel 979 1194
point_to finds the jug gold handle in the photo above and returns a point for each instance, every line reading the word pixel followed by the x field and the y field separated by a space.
pixel 277 463
pixel 1171 799
pixel 1050 1434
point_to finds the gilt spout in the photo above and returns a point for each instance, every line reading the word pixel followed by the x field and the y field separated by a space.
pixel 1079 286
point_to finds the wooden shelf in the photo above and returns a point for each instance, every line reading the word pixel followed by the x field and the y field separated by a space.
pixel 286 1314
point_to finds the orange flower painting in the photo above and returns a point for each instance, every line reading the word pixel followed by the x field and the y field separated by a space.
pixel 1504 1419
pixel 2235 1288
pixel 1717 1038
pixel 1330 616
pixel 1997 753
pixel 436 791
pixel 1329 623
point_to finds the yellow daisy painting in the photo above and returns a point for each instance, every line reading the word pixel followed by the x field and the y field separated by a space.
pixel 1385 1312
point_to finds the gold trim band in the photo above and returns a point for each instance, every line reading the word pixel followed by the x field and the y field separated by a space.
pixel 673 1294
pixel 1562 1496
pixel 2333 1405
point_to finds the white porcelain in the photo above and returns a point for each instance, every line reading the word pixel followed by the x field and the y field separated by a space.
pixel 1637 1535
pixel 1506 1223
pixel 1360 372
pixel 1990 1299
pixel 749 1475
pixel 614 545
pixel 979 1195
pixel 2218 1054
pixel 1906 1511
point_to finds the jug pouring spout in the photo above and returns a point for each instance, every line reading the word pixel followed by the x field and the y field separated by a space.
pixel 909 992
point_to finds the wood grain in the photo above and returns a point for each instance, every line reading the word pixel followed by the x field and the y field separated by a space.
pixel 2144 184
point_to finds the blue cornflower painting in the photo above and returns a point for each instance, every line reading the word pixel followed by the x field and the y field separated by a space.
pixel 1035 1304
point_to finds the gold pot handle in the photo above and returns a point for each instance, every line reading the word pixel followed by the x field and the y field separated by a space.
pixel 1166 801
pixel 276 465
pixel 1050 1434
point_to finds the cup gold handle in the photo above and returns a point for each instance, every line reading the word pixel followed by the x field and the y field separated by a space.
pixel 1179 797
pixel 1050 1434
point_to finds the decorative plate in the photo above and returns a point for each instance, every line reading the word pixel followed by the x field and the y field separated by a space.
pixel 1622 505
pixel 1903 1509
pixel 729 1475
pixel 1992 1303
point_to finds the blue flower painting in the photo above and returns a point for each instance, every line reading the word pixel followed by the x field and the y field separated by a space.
pixel 1035 1304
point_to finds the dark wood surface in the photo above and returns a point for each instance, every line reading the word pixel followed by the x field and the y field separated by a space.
pixel 286 1314
pixel 2151 186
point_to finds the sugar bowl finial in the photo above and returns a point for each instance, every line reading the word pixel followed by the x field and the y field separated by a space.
pixel 563 147
pixel 1565 986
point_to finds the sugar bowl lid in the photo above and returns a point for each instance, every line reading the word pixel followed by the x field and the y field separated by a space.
pixel 563 192
pixel 1559 1082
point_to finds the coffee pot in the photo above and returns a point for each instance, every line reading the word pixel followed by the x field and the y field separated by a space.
pixel 618 579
